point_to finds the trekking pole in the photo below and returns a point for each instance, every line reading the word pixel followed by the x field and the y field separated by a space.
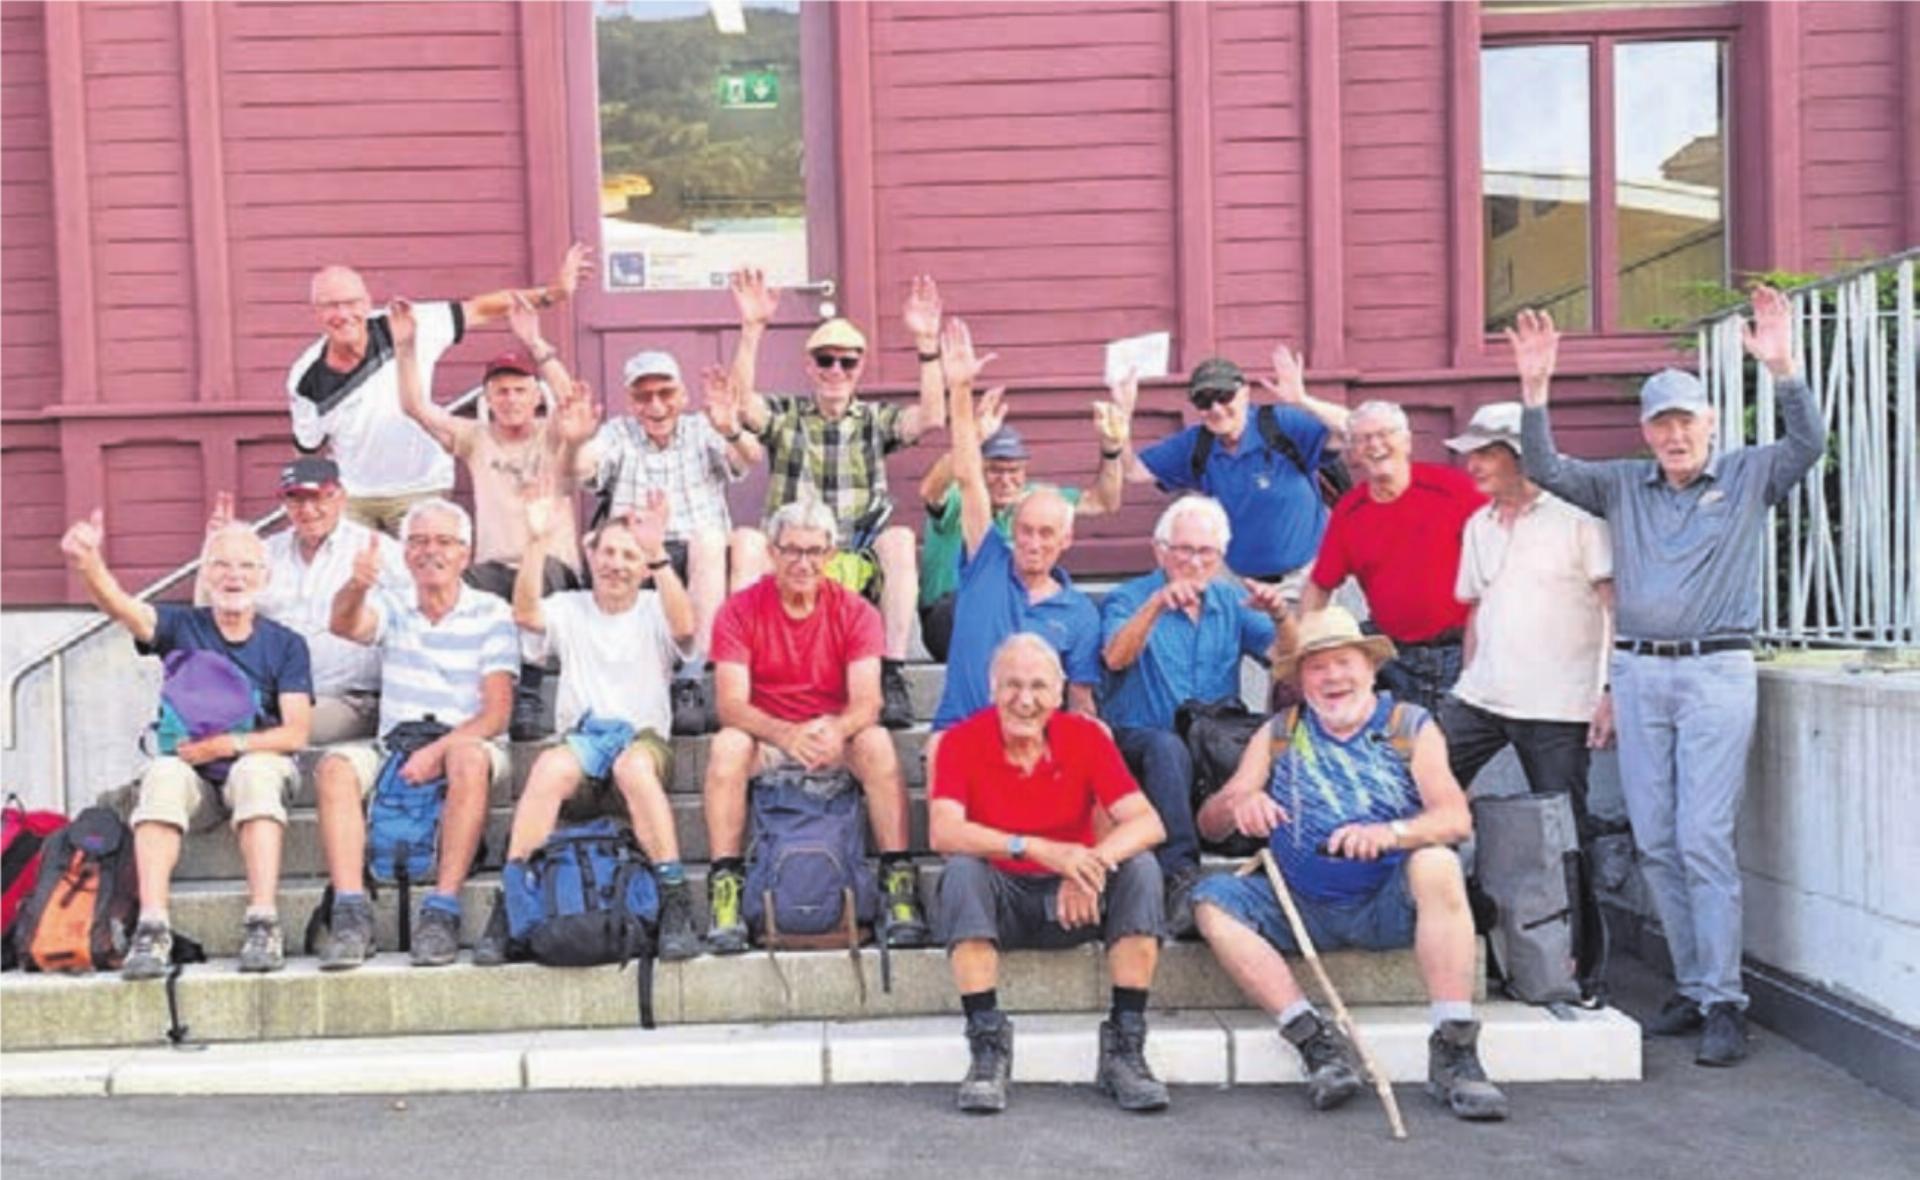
pixel 1341 1016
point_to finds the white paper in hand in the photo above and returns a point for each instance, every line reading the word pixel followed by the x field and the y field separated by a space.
pixel 1144 356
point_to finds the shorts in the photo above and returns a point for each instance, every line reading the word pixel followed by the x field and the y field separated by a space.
pixel 1020 911
pixel 596 766
pixel 1382 921
pixel 387 513
pixel 351 716
pixel 366 759
pixel 174 793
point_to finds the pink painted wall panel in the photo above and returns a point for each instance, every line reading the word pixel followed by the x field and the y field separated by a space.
pixel 156 504
pixel 30 484
pixel 1851 131
pixel 30 333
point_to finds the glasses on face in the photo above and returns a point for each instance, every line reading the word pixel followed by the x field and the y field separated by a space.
pixel 812 554
pixel 330 305
pixel 826 361
pixel 1194 552
pixel 1205 399
pixel 221 565
pixel 434 541
pixel 1367 438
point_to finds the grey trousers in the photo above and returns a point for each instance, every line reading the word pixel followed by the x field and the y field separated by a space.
pixel 1685 726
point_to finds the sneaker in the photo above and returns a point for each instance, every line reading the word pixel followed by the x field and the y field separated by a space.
pixel 151 952
pixel 1678 1017
pixel 263 949
pixel 1124 1075
pixel 896 703
pixel 436 937
pixel 1724 1043
pixel 1454 1077
pixel 691 714
pixel 1332 1077
pixel 490 949
pixel 1180 923
pixel 990 1040
pixel 678 939
pixel 726 932
pixel 350 938
pixel 902 920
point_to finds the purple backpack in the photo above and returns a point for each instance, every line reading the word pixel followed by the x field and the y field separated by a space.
pixel 203 693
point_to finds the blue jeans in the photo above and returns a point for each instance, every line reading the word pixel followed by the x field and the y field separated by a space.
pixel 1422 675
pixel 1381 921
pixel 1160 760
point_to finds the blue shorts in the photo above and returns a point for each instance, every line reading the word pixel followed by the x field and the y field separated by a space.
pixel 1382 921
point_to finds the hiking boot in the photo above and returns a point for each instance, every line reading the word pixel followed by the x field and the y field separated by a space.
pixel 896 703
pixel 1724 1043
pixel 678 939
pixel 1180 904
pixel 350 939
pixel 436 937
pixel 726 932
pixel 151 952
pixel 1678 1017
pixel 1332 1077
pixel 1124 1075
pixel 691 716
pixel 1454 1077
pixel 263 948
pixel 990 1040
pixel 904 925
pixel 490 949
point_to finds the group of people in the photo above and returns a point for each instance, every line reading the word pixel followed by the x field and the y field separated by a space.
pixel 1531 600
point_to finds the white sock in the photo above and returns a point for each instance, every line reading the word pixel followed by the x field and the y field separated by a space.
pixel 256 911
pixel 1293 1011
pixel 1441 1011
pixel 154 916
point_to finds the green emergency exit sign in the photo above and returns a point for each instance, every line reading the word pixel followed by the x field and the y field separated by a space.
pixel 758 90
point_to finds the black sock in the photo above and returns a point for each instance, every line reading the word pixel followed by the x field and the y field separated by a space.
pixel 889 860
pixel 973 1003
pixel 1129 999
pixel 729 864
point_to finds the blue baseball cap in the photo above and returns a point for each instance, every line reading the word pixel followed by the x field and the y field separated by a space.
pixel 1005 443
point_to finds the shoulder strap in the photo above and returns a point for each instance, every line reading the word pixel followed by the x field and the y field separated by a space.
pixel 1202 449
pixel 1281 736
pixel 1268 420
pixel 1402 729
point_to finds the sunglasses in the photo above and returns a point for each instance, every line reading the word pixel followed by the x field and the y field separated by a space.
pixel 1205 399
pixel 826 361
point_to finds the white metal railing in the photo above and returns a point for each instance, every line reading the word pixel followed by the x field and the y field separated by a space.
pixel 54 655
pixel 1844 568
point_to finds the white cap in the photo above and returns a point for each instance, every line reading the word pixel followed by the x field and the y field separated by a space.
pixel 650 364
pixel 1496 422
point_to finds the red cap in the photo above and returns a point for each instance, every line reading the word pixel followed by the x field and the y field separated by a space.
pixel 513 361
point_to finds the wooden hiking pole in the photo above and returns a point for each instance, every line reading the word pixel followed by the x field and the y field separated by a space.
pixel 1341 1016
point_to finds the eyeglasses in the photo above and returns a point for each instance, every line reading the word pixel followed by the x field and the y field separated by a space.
pixel 425 541
pixel 1190 552
pixel 1205 399
pixel 808 553
pixel 221 565
pixel 353 304
pixel 827 360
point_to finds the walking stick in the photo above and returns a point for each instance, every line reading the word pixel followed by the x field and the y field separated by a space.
pixel 1341 1016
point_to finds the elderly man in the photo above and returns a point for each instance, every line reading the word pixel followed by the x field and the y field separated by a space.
pixel 448 653
pixel 344 391
pixel 693 458
pixel 1266 479
pixel 1014 810
pixel 797 681
pixel 1172 636
pixel 1006 462
pixel 833 447
pixel 1358 808
pixel 1687 529
pixel 1536 573
pixel 1398 534
pixel 243 775
pixel 617 646
pixel 1007 588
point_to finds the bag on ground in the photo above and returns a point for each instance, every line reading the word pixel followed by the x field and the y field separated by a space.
pixel 79 917
pixel 585 897
pixel 403 818
pixel 808 861
pixel 1217 733
pixel 23 834
pixel 1548 942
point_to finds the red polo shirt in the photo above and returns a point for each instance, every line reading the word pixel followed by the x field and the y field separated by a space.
pixel 1054 801
pixel 1405 553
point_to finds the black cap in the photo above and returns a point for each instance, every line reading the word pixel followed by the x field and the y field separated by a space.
pixel 309 474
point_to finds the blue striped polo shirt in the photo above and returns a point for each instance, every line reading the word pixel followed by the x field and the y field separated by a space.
pixel 428 667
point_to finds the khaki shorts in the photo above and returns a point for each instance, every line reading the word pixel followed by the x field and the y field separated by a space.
pixel 174 793
pixel 344 718
pixel 595 797
pixel 387 512
pixel 366 758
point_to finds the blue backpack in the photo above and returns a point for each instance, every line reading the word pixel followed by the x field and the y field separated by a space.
pixel 403 818
pixel 203 693
pixel 808 884
pixel 585 897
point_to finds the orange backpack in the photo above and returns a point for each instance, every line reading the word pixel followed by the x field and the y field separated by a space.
pixel 84 901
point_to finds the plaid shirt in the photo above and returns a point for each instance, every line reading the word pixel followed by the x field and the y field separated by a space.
pixel 842 463
pixel 693 469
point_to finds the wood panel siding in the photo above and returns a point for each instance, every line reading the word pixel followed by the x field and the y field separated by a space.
pixel 29 279
pixel 1853 64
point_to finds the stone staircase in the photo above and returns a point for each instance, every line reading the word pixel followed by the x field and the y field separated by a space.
pixel 78 1035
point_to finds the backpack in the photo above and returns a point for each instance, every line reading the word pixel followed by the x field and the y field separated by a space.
pixel 1548 942
pixel 1332 478
pixel 203 693
pixel 1217 733
pixel 23 834
pixel 585 897
pixel 807 879
pixel 85 897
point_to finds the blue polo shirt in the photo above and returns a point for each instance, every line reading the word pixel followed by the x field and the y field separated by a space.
pixel 1184 659
pixel 990 605
pixel 1274 507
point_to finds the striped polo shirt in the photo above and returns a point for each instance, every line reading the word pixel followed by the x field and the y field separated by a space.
pixel 428 667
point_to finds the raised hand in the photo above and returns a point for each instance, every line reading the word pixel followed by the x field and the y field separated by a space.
pixel 524 318
pixel 222 515
pixel 1289 384
pixel 82 542
pixel 366 563
pixel 577 261
pixel 541 512
pixel 1769 334
pixel 578 416
pixel 722 399
pixel 650 522
pixel 401 323
pixel 991 413
pixel 922 312
pixel 958 364
pixel 1535 345
pixel 757 301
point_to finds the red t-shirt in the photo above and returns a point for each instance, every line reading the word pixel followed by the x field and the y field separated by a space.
pixel 798 667
pixel 1405 553
pixel 1054 802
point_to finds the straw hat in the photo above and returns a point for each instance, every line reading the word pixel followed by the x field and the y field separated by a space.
pixel 1325 630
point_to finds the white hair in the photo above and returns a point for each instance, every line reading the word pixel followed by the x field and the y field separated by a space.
pixel 234 531
pixel 1021 641
pixel 806 514
pixel 1385 411
pixel 1044 491
pixel 445 508
pixel 1206 508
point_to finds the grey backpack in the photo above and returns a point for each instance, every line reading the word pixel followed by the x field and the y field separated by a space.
pixel 1549 943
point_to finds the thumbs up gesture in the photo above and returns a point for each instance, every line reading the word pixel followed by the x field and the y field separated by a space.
pixel 366 564
pixel 82 542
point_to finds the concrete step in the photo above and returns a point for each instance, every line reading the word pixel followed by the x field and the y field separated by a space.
pixel 1195 1047
pixel 388 997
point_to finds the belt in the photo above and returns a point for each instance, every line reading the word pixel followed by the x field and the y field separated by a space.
pixel 1451 637
pixel 1683 647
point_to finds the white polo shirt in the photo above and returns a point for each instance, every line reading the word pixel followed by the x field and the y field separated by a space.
pixel 299 596
pixel 1538 634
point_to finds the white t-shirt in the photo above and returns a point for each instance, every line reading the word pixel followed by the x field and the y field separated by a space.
pixel 381 451
pixel 611 665
pixel 299 595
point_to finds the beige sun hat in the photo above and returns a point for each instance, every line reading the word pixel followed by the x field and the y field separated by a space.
pixel 1327 629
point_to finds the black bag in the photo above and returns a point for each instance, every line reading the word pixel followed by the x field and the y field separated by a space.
pixel 1217 733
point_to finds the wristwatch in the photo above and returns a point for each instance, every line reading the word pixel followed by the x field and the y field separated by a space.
pixel 1017 847
pixel 1399 829
pixel 239 744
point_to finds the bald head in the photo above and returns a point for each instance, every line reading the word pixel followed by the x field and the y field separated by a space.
pixel 341 304
pixel 331 283
pixel 1042 531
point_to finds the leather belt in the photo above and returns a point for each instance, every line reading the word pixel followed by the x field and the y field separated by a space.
pixel 1672 648
pixel 1451 637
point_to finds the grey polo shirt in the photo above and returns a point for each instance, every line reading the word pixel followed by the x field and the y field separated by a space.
pixel 1686 561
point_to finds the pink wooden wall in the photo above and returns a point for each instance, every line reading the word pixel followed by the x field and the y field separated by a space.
pixel 1238 173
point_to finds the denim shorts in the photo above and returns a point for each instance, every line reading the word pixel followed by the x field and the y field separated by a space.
pixel 1382 921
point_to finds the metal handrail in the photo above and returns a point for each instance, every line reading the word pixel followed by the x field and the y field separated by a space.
pixel 55 652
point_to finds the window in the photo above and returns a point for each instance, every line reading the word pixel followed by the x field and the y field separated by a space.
pixel 1603 179
pixel 702 164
